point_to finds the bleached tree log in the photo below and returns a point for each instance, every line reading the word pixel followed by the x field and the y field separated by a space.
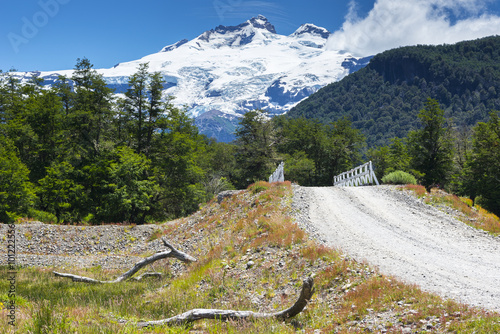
pixel 145 275
pixel 174 253
pixel 225 315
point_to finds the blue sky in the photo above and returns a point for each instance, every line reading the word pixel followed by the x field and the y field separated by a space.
pixel 52 34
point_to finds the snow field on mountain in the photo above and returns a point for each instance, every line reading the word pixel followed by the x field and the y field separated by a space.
pixel 241 68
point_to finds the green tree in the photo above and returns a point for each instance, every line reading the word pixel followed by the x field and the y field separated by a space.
pixel 156 116
pixel 219 164
pixel 88 124
pixel 483 166
pixel 346 144
pixel 431 147
pixel 394 157
pixel 137 106
pixel 333 148
pixel 144 110
pixel 381 160
pixel 462 139
pixel 301 139
pixel 256 154
pixel 176 156
pixel 299 168
pixel 16 192
pixel 60 194
pixel 131 189
pixel 44 115
pixel 63 89
pixel 14 123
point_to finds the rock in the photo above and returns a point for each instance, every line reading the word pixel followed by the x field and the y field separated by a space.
pixel 225 194
pixel 250 264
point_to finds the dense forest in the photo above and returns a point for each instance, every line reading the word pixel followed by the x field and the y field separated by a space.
pixel 79 153
pixel 384 98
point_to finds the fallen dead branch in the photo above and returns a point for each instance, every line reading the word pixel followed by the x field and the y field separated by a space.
pixel 174 253
pixel 145 275
pixel 225 315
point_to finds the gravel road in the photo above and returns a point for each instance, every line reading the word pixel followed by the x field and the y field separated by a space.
pixel 406 238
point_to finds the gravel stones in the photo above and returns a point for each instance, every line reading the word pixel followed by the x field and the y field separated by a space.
pixel 110 246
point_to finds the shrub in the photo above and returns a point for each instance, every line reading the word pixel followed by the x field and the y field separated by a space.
pixel 399 177
pixel 258 187
pixel 42 216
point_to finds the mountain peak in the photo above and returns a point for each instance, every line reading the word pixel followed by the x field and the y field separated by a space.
pixel 241 34
pixel 261 22
pixel 312 29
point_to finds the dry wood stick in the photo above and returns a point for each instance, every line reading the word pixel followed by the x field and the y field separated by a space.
pixel 214 314
pixel 138 266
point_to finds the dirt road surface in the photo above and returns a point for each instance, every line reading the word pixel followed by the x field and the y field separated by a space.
pixel 408 239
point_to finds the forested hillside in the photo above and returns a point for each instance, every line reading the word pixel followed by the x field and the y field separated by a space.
pixel 77 153
pixel 384 98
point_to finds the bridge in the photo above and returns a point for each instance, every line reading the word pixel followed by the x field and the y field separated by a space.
pixel 359 176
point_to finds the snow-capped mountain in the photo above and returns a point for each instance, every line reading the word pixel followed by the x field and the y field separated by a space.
pixel 232 69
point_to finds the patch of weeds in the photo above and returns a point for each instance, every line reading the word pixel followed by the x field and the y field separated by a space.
pixel 440 197
pixel 43 319
pixel 417 189
pixel 488 221
pixel 28 235
pixel 313 251
pixel 467 201
pixel 474 216
pixel 157 234
pixel 484 324
pixel 258 187
pixel 333 275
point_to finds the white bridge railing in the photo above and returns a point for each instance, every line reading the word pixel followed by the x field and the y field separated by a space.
pixel 279 174
pixel 359 176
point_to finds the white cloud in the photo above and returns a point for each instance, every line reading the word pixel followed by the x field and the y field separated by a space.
pixel 394 23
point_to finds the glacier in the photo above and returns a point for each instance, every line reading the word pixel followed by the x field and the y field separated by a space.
pixel 229 70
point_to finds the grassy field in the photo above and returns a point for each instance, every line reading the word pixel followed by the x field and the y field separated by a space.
pixel 251 256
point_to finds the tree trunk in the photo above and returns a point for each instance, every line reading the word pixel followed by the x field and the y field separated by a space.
pixel 224 315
